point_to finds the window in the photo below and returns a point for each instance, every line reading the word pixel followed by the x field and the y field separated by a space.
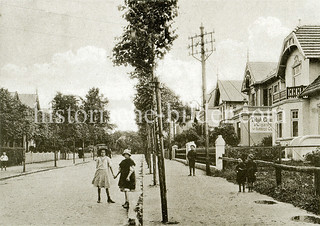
pixel 270 97
pixel 279 124
pixel 296 70
pixel 239 130
pixel 276 88
pixel 294 123
pixel 253 99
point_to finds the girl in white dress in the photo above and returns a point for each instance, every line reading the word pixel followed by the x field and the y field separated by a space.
pixel 102 176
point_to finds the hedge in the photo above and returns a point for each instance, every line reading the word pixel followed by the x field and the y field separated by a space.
pixel 261 153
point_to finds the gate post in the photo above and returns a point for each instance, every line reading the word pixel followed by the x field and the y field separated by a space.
pixel 220 150
pixel 173 154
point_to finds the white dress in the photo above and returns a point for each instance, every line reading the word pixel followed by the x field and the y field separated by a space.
pixel 102 176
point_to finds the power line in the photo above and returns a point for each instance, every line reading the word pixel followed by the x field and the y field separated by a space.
pixel 62 14
pixel 44 33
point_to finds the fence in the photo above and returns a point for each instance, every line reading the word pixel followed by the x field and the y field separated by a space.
pixel 279 167
pixel 15 156
pixel 201 155
pixel 290 181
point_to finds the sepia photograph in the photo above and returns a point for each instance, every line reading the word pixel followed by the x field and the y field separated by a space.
pixel 160 112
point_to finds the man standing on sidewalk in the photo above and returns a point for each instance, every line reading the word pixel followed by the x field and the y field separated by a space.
pixel 4 160
pixel 192 155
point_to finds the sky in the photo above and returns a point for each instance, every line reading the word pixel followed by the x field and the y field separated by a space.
pixel 65 46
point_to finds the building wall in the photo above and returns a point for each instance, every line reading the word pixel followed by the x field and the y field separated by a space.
pixel 303 78
pixel 314 114
pixel 303 114
pixel 254 137
pixel 314 69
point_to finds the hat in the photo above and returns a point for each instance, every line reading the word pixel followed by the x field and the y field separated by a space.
pixel 250 156
pixel 127 151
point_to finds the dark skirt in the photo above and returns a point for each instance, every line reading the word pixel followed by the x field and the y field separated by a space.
pixel 241 177
pixel 251 177
pixel 125 185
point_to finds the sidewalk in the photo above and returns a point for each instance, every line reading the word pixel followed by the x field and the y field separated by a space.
pixel 15 171
pixel 203 200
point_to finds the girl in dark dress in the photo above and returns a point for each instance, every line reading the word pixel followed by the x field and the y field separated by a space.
pixel 241 174
pixel 251 172
pixel 127 181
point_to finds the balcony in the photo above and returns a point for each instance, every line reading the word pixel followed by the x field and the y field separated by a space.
pixel 289 93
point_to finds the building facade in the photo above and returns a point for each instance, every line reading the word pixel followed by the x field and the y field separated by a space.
pixel 223 101
pixel 283 97
pixel 297 106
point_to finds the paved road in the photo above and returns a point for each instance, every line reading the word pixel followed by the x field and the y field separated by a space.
pixel 203 200
pixel 61 196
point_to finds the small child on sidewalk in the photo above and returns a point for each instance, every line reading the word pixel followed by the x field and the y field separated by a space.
pixel 251 167
pixel 241 174
pixel 4 160
pixel 192 155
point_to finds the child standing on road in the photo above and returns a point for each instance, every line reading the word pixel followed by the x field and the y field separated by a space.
pixel 192 160
pixel 4 160
pixel 251 172
pixel 102 176
pixel 241 174
pixel 127 181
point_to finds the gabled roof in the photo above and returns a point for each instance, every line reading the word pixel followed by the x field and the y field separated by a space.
pixel 227 91
pixel 313 88
pixel 304 38
pixel 309 39
pixel 259 71
pixel 30 100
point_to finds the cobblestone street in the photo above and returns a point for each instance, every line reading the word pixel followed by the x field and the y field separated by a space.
pixel 62 196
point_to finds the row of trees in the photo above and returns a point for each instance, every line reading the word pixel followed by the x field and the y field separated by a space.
pixel 73 122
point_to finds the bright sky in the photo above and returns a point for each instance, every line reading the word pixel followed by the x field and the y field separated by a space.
pixel 64 45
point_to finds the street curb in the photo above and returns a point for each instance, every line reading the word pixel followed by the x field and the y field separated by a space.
pixel 42 170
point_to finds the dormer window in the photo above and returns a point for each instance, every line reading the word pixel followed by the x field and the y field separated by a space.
pixel 296 70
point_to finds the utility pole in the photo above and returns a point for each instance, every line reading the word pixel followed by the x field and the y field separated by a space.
pixel 160 145
pixel 54 147
pixel 205 51
pixel 169 143
pixel 25 149
pixel 74 151
pixel 83 149
pixel 154 152
pixel 147 154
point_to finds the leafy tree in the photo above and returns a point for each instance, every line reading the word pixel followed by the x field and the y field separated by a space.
pixel 187 136
pixel 228 134
pixel 127 139
pixel 266 141
pixel 15 119
pixel 64 110
pixel 98 120
pixel 146 38
pixel 148 35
